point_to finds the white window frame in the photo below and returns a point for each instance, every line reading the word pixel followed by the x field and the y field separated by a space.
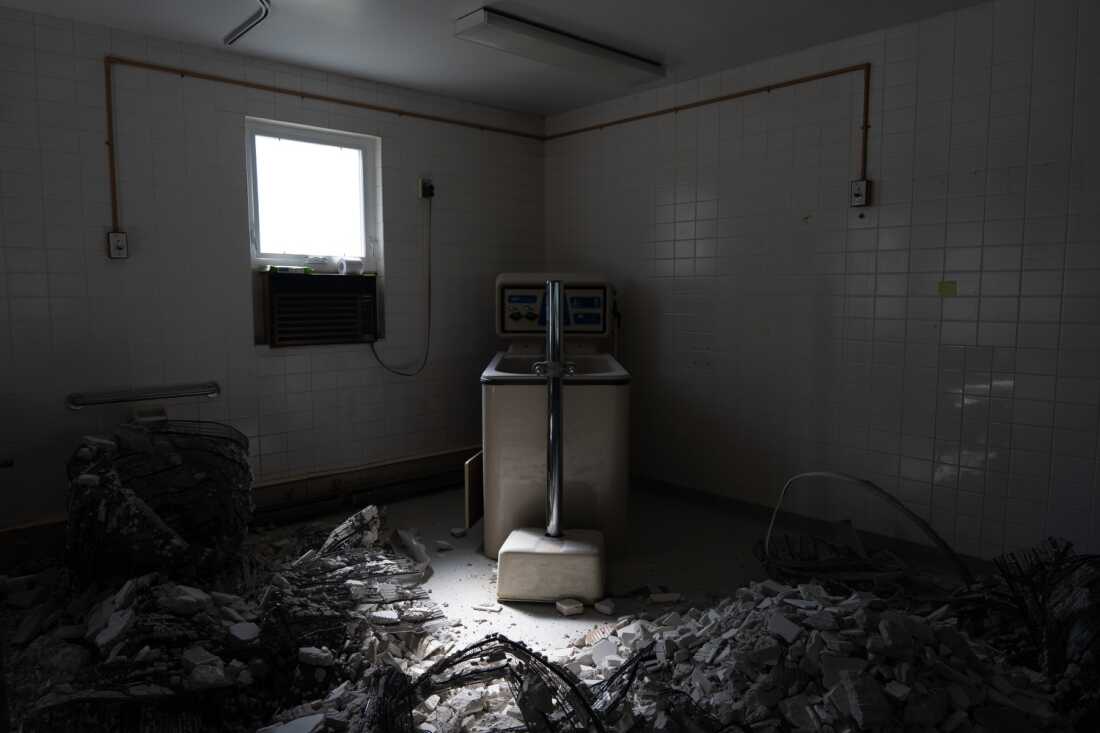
pixel 371 148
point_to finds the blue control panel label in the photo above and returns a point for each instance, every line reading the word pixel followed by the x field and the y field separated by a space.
pixel 524 309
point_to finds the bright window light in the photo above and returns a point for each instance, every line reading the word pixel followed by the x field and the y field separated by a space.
pixel 313 193
pixel 309 198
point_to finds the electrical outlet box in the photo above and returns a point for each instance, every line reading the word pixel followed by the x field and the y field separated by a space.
pixel 425 189
pixel 860 193
pixel 117 247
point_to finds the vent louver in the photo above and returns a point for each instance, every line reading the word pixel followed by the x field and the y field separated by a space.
pixel 321 309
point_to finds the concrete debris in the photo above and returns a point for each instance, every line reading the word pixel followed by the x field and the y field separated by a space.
pixel 197 656
pixel 781 626
pixel 664 597
pixel 306 724
pixel 344 615
pixel 569 607
pixel 183 600
pixel 337 615
pixel 208 677
pixel 116 626
pixel 359 530
pixel 130 590
pixel 458 532
pixel 443 546
pixel 244 632
pixel 315 657
pixel 818 663
pixel 384 617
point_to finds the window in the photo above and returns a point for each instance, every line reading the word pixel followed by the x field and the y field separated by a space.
pixel 313 193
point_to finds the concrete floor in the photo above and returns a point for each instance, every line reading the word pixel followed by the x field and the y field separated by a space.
pixel 686 544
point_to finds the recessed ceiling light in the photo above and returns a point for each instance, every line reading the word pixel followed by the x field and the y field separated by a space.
pixel 514 35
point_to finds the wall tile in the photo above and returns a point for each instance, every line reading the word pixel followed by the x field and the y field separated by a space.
pixel 972 184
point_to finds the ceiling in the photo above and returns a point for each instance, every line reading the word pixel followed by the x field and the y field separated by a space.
pixel 410 42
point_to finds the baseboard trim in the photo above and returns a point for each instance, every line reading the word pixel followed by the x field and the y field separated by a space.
pixel 923 556
pixel 381 483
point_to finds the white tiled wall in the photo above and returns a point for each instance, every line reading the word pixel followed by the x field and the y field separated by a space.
pixel 771 329
pixel 180 308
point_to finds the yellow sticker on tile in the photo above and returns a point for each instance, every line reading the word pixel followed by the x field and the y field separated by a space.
pixel 947 288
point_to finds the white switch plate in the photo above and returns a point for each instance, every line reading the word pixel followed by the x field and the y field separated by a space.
pixel 117 247
pixel 860 193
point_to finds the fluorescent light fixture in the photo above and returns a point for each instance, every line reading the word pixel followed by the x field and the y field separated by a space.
pixel 534 41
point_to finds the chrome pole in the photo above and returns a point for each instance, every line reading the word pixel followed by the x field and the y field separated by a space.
pixel 554 445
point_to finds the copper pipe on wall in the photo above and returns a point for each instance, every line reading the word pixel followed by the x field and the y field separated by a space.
pixel 865 126
pixel 110 61
pixel 202 75
pixel 865 68
pixel 112 168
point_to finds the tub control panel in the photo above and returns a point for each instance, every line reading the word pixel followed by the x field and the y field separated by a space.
pixel 523 310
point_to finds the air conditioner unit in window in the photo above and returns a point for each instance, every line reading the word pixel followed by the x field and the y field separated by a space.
pixel 308 309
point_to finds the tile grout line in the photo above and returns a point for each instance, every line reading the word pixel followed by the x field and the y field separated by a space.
pixel 1011 492
pixel 981 261
pixel 908 264
pixel 940 338
pixel 1051 472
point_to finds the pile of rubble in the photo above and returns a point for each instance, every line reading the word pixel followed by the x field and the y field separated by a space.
pixel 204 658
pixel 148 641
pixel 779 658
pixel 331 629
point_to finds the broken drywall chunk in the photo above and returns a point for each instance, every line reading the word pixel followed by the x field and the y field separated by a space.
pixel 117 625
pixel 605 606
pixel 833 666
pixel 359 530
pixel 604 649
pixel 771 587
pixel 822 620
pixel 198 656
pixel 129 590
pixel 866 703
pixel 384 617
pixel 315 657
pixel 896 691
pixel 569 607
pixel 183 600
pixel 208 677
pixel 99 617
pixel 798 710
pixel 664 597
pixel 783 627
pixel 244 632
pixel 306 724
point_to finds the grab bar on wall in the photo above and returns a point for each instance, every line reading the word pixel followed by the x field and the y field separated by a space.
pixel 80 400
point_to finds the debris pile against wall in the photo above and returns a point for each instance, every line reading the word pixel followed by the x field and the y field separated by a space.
pixel 779 657
pixel 332 630
pixel 773 658
pixel 160 495
pixel 201 657
pixel 1056 595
